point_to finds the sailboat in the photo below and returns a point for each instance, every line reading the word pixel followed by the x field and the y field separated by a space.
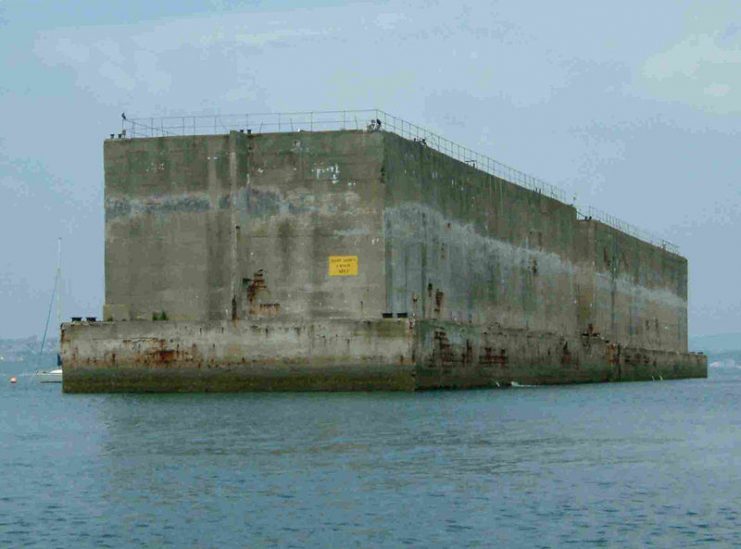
pixel 55 375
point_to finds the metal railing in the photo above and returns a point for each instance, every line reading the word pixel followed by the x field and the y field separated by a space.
pixel 256 122
pixel 363 120
pixel 590 212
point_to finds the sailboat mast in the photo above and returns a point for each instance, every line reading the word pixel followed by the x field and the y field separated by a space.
pixel 59 283
pixel 55 293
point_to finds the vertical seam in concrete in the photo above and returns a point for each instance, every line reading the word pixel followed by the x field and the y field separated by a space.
pixel 107 285
pixel 388 252
pixel 233 217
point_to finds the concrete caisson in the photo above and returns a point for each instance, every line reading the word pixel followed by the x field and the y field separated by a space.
pixel 359 260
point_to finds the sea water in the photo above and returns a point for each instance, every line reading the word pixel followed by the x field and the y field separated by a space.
pixel 654 464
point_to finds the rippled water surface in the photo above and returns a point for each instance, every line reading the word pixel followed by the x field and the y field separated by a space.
pixel 638 464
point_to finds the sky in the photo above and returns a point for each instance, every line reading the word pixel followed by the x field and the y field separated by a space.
pixel 633 107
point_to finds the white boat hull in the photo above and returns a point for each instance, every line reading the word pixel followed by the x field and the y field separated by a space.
pixel 52 376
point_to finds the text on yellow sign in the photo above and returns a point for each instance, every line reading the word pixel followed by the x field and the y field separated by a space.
pixel 343 265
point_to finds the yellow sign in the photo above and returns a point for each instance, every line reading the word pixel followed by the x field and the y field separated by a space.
pixel 343 265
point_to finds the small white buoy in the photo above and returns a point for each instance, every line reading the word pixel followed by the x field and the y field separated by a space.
pixel 13 379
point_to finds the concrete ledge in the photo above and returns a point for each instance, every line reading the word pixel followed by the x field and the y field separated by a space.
pixel 268 355
pixel 344 355
pixel 457 355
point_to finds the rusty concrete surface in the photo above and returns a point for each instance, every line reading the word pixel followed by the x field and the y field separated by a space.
pixel 392 354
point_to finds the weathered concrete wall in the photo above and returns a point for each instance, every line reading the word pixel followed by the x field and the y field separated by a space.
pixel 630 292
pixel 464 245
pixel 311 196
pixel 167 225
pixel 237 226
